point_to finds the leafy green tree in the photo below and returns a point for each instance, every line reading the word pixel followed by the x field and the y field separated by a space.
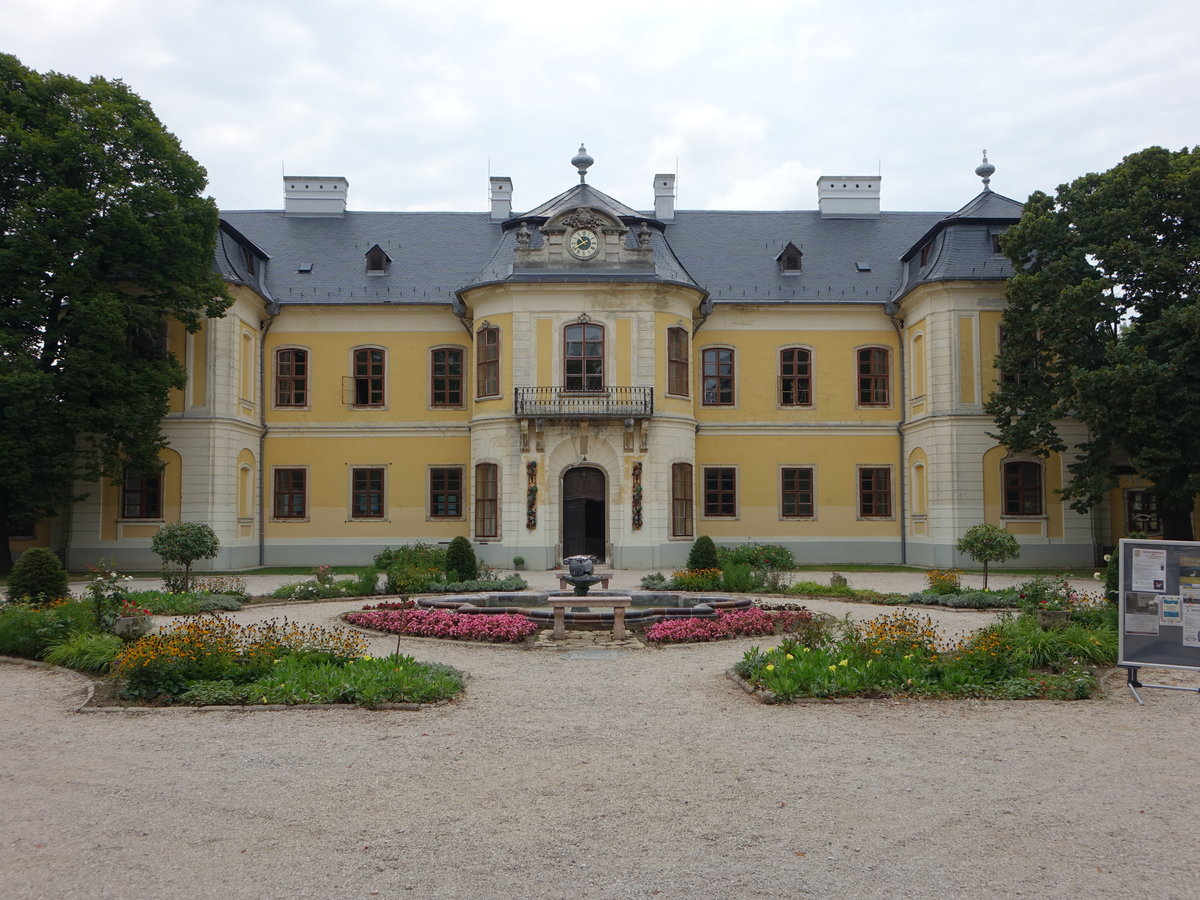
pixel 182 543
pixel 1103 326
pixel 988 544
pixel 103 237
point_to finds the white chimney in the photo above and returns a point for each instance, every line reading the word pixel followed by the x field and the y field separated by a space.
pixel 501 191
pixel 664 198
pixel 848 196
pixel 306 195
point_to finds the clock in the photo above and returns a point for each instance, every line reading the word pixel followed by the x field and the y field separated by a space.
pixel 583 243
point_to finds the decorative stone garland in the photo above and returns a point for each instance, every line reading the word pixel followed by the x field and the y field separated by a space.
pixel 531 496
pixel 637 496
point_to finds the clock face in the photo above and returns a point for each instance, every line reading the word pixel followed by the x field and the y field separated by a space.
pixel 583 243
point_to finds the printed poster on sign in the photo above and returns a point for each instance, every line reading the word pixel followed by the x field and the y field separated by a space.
pixel 1191 622
pixel 1149 570
pixel 1141 612
pixel 1170 610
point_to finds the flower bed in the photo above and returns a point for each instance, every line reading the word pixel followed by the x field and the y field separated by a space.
pixel 441 623
pixel 902 654
pixel 732 623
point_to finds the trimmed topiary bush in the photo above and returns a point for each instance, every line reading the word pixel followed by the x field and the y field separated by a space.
pixel 703 554
pixel 37 576
pixel 461 564
pixel 182 543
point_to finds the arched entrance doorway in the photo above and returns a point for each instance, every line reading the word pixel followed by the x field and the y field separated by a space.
pixel 583 493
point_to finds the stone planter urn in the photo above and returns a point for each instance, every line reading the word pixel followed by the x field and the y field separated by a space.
pixel 1053 618
pixel 131 626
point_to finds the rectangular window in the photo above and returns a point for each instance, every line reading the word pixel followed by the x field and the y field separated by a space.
pixel 795 377
pixel 291 377
pixel 447 377
pixel 445 493
pixel 796 493
pixel 875 493
pixel 677 362
pixel 487 497
pixel 1022 489
pixel 290 493
pixel 141 497
pixel 718 376
pixel 583 358
pixel 873 377
pixel 366 494
pixel 487 359
pixel 1141 513
pixel 368 377
pixel 681 500
pixel 720 492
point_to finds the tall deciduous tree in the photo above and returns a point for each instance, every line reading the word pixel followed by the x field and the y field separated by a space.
pixel 104 236
pixel 1103 325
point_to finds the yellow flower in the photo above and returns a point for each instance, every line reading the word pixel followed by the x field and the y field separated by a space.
pixel 844 662
pixel 770 667
pixel 789 656
pixel 833 668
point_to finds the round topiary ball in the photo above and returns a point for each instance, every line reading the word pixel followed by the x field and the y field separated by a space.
pixel 37 576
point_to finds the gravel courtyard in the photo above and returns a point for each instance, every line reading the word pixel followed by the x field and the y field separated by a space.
pixel 568 773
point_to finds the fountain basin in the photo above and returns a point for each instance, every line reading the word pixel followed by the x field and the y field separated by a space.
pixel 648 606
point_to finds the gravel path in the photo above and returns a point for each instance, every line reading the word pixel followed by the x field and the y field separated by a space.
pixel 633 774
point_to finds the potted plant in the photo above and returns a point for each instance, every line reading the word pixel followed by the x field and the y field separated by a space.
pixel 132 621
pixel 518 563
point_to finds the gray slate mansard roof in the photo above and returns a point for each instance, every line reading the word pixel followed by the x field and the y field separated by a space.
pixel 732 255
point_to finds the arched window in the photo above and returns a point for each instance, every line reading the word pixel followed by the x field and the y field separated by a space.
pixel 291 377
pixel 677 362
pixel 718 376
pixel 583 357
pixel 1022 488
pixel 446 377
pixel 368 376
pixel 795 377
pixel 873 376
pixel 681 500
pixel 487 500
pixel 487 362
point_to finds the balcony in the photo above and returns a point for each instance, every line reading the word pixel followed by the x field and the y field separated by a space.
pixel 560 403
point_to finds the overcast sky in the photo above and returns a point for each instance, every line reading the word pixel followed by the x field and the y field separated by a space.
pixel 748 102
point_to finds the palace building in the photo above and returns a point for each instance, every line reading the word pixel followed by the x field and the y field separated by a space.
pixel 587 377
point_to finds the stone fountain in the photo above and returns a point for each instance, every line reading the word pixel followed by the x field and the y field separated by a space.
pixel 581 577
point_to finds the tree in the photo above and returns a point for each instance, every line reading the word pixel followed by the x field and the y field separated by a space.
pixel 103 237
pixel 1103 326
pixel 987 544
pixel 183 543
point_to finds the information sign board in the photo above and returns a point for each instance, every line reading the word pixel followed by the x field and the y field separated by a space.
pixel 1160 604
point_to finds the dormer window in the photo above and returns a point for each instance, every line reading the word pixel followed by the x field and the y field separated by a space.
pixel 995 236
pixel 926 254
pixel 377 261
pixel 790 259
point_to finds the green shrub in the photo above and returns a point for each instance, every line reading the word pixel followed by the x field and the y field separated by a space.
pixel 28 631
pixel 703 554
pixel 37 575
pixel 656 581
pixel 229 585
pixel 365 583
pixel 367 682
pixel 407 579
pixel 768 557
pixel 214 693
pixel 736 577
pixel 418 556
pixel 189 604
pixel 86 651
pixel 460 561
pixel 967 599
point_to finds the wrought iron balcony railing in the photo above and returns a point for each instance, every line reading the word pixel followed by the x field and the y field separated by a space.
pixel 559 402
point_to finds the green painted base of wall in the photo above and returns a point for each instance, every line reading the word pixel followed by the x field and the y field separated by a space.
pixel 1041 556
